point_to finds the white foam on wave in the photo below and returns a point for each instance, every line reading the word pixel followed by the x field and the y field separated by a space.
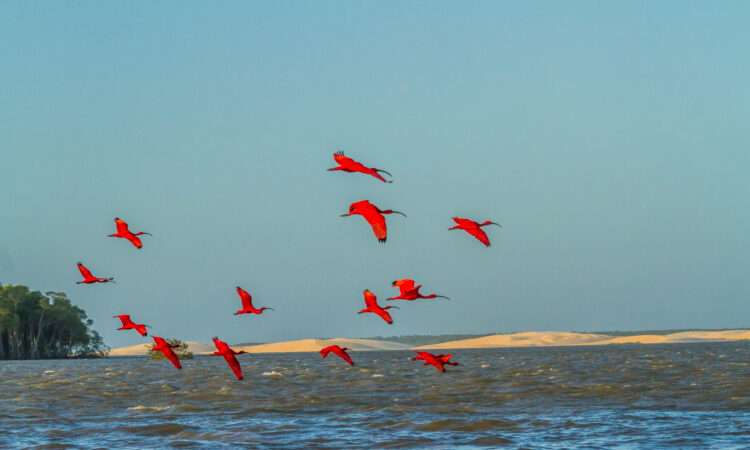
pixel 377 375
pixel 272 373
pixel 49 371
pixel 149 408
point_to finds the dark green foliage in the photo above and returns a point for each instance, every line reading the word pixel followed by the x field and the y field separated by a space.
pixel 45 326
pixel 181 351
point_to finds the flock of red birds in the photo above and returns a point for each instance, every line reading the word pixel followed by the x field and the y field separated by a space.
pixel 372 214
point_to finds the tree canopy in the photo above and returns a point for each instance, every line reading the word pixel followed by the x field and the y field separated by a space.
pixel 181 351
pixel 45 326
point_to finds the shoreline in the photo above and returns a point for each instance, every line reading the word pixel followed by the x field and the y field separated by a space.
pixel 511 340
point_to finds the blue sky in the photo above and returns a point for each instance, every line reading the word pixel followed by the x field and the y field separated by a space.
pixel 609 139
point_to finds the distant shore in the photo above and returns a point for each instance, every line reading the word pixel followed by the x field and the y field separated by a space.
pixel 527 339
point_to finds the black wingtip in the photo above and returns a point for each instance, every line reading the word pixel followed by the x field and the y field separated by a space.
pixel 382 241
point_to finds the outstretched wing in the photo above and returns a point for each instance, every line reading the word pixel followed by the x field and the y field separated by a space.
pixel 135 240
pixel 343 160
pixel 234 365
pixel 342 354
pixel 125 319
pixel 84 271
pixel 247 300
pixel 384 315
pixel 370 300
pixel 404 285
pixel 172 357
pixel 377 222
pixel 325 351
pixel 122 226
pixel 437 363
pixel 480 235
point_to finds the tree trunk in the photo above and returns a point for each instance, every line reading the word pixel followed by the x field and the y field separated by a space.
pixel 34 351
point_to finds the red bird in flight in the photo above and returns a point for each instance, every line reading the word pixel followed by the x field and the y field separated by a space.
pixel 349 165
pixel 473 228
pixel 439 361
pixel 247 304
pixel 166 348
pixel 88 278
pixel 123 232
pixel 128 324
pixel 228 354
pixel 411 292
pixel 372 307
pixel 373 216
pixel 338 351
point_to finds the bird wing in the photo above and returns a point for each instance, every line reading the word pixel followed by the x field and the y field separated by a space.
pixel 135 240
pixel 384 315
pixel 461 221
pixel 343 355
pixel 437 363
pixel 404 285
pixel 122 226
pixel 325 351
pixel 84 271
pixel 172 357
pixel 371 301
pixel 247 300
pixel 341 159
pixel 480 235
pixel 377 222
pixel 140 328
pixel 234 365
pixel 125 319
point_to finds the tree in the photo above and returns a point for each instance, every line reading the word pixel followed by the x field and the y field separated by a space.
pixel 35 326
pixel 181 350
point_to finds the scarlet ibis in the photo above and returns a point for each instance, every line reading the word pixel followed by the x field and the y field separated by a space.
pixel 473 228
pixel 228 354
pixel 373 215
pixel 439 361
pixel 247 304
pixel 166 349
pixel 349 165
pixel 123 232
pixel 411 292
pixel 372 307
pixel 338 351
pixel 128 324
pixel 88 278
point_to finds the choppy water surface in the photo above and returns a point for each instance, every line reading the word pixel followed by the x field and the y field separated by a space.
pixel 692 395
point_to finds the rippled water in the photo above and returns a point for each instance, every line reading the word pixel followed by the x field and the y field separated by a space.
pixel 691 395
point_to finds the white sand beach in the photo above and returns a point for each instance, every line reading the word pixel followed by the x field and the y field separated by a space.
pixel 527 339
pixel 557 338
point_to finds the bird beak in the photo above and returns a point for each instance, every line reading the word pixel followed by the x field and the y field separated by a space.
pixel 398 212
pixel 345 215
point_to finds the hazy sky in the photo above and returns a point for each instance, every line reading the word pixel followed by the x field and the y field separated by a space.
pixel 610 139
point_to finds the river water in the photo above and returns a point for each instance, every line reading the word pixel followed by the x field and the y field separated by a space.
pixel 648 396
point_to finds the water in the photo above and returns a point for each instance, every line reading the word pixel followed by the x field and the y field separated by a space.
pixel 686 395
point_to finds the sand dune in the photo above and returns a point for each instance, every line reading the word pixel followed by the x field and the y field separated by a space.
pixel 141 349
pixel 304 345
pixel 313 345
pixel 528 339
pixel 557 338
